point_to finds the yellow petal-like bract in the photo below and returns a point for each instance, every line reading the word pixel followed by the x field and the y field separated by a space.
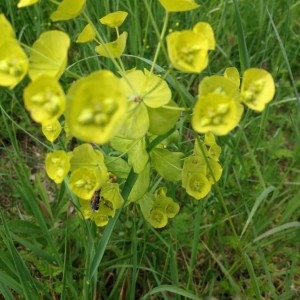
pixel 6 29
pixel 258 88
pixel 44 99
pixel 188 49
pixel 49 54
pixel 86 35
pixel 113 49
pixel 233 74
pixel 51 130
pixel 218 108
pixel 178 5
pixel 96 107
pixel 114 19
pixel 24 3
pixel 68 9
pixel 57 165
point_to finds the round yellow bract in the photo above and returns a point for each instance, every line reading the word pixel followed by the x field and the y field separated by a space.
pixel 216 113
pixel 96 107
pixel 44 99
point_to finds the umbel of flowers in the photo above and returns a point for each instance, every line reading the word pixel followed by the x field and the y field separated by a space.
pixel 126 122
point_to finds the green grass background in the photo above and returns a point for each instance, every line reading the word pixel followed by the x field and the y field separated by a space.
pixel 241 242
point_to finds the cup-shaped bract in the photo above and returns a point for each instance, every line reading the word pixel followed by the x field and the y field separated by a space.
pixel 86 155
pixel 67 9
pixel 87 212
pixel 178 5
pixel 24 3
pixel 57 165
pixel 13 63
pixel 197 186
pixel 165 203
pixel 86 35
pixel 217 113
pixel 157 218
pixel 51 130
pixel 44 99
pixel 114 19
pixel 48 54
pixel 258 88
pixel 113 49
pixel 193 164
pixel 188 49
pixel 84 182
pixel 96 108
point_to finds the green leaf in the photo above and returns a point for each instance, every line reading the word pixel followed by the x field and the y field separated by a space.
pixel 138 156
pixel 117 165
pixel 162 119
pixel 167 163
pixel 137 122
pixel 140 186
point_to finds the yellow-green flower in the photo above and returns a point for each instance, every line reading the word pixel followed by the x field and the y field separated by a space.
pixel 113 49
pixel 165 203
pixel 7 31
pixel 258 88
pixel 24 3
pixel 48 54
pixel 99 219
pixel 57 165
pixel 157 218
pixel 198 186
pixel 44 99
pixel 217 113
pixel 193 164
pixel 86 35
pixel 83 182
pixel 85 155
pixel 103 204
pixel 51 130
pixel 188 49
pixel 114 19
pixel 96 107
pixel 68 9
pixel 178 5
pixel 13 63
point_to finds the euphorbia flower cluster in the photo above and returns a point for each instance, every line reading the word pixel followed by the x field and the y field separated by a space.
pixel 125 122
pixel 201 169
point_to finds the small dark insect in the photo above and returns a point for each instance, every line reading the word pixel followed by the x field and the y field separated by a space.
pixel 95 201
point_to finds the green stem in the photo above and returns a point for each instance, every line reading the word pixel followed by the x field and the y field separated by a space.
pixel 161 37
